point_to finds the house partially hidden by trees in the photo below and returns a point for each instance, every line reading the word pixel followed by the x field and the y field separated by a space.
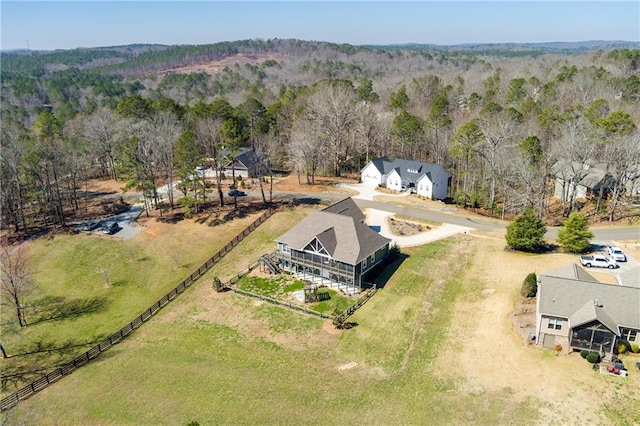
pixel 245 162
pixel 574 180
pixel 578 312
pixel 333 246
pixel 427 179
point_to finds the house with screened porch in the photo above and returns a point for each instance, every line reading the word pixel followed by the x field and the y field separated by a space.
pixel 332 247
pixel 576 311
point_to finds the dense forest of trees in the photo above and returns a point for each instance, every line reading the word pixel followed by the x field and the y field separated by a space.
pixel 498 119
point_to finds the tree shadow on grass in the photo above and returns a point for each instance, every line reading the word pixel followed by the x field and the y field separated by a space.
pixel 41 358
pixel 54 308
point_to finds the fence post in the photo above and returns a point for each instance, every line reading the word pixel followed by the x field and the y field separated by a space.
pixel 13 399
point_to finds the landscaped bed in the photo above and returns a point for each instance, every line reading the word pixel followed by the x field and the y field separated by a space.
pixel 284 287
pixel 407 227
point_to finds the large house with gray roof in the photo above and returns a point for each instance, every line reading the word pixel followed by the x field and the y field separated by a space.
pixel 333 246
pixel 426 179
pixel 576 311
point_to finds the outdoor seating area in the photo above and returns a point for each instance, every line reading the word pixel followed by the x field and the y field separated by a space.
pixel 616 367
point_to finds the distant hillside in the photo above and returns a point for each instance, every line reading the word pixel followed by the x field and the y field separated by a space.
pixel 156 58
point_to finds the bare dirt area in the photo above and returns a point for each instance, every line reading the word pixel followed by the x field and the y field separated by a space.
pixel 489 330
pixel 216 66
pixel 321 184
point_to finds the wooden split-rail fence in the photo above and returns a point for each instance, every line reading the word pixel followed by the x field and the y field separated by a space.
pixel 68 368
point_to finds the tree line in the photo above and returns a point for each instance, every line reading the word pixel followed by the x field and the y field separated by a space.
pixel 500 125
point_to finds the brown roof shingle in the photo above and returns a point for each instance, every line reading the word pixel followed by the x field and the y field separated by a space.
pixel 340 229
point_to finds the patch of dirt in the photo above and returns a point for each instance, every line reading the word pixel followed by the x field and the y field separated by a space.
pixel 523 318
pixel 347 366
pixel 101 185
pixel 492 354
pixel 322 184
pixel 218 65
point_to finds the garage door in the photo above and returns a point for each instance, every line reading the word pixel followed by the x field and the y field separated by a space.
pixel 370 181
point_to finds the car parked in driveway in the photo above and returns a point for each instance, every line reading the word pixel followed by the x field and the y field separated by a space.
pixel 599 261
pixel 90 226
pixel 617 254
pixel 236 193
pixel 110 228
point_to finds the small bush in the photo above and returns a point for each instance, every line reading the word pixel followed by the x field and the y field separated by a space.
pixel 584 353
pixel 394 250
pixel 593 357
pixel 217 284
pixel 529 286
pixel 635 348
pixel 621 348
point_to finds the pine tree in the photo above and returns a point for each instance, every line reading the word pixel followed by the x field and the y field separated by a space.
pixel 526 232
pixel 574 235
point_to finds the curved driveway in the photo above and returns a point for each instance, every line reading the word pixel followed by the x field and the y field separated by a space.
pixel 365 200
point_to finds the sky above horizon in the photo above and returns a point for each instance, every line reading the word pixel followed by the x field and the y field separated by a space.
pixel 48 25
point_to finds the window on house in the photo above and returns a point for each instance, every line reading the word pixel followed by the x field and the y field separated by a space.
pixel 555 323
pixel 631 335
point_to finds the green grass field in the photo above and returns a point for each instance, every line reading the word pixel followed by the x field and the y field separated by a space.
pixel 220 358
pixel 87 288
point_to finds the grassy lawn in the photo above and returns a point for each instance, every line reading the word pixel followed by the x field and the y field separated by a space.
pixel 280 287
pixel 222 358
pixel 87 288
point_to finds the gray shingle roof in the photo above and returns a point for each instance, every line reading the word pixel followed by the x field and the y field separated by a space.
pixel 572 271
pixel 341 231
pixel 630 278
pixel 565 297
pixel 594 177
pixel 247 157
pixel 411 170
pixel 346 207
pixel 592 311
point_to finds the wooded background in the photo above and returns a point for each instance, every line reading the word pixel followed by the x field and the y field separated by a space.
pixel 498 117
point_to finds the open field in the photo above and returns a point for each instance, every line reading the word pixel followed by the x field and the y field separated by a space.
pixel 89 286
pixel 429 348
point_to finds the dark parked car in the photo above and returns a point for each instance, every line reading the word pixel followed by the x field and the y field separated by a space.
pixel 236 193
pixel 110 228
pixel 90 226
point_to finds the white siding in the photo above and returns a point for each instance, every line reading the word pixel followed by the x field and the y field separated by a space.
pixel 394 181
pixel 371 176
pixel 424 187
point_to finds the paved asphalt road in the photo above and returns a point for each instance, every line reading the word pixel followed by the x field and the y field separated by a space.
pixel 483 224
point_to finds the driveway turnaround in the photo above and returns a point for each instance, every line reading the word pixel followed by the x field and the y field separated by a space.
pixel 366 192
pixel 379 218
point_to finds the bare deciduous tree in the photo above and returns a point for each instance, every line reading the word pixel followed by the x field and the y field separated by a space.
pixel 333 108
pixel 15 280
pixel 103 130
pixel 207 130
